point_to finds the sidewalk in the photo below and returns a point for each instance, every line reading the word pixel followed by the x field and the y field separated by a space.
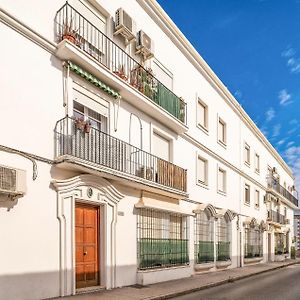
pixel 169 289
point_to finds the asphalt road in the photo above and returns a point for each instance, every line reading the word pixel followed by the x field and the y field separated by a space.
pixel 282 284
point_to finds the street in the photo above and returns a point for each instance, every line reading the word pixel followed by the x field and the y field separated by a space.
pixel 282 284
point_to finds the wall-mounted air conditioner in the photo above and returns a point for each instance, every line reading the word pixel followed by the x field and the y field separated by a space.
pixel 144 45
pixel 125 25
pixel 12 181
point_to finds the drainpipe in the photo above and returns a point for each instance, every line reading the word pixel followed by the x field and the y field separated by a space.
pixel 141 129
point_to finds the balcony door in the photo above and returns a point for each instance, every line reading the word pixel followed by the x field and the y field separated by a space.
pixel 161 146
pixel 87 245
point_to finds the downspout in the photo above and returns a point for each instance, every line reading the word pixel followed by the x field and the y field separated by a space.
pixel 141 129
pixel 116 113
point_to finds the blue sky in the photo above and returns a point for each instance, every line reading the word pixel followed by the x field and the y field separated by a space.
pixel 254 48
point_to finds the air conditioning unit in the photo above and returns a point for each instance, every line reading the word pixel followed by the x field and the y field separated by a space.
pixel 12 181
pixel 144 45
pixel 124 25
pixel 146 173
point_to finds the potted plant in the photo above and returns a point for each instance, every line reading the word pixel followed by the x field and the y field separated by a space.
pixel 87 127
pixel 69 33
pixel 80 123
pixel 121 72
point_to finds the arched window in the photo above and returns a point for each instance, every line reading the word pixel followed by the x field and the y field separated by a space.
pixel 204 237
pixel 223 239
pixel 253 241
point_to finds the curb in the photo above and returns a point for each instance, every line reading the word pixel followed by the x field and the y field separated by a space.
pixel 218 283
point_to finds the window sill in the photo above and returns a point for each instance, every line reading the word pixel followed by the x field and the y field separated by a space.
pixel 222 193
pixel 222 144
pixel 223 264
pixel 163 269
pixel 247 204
pixel 204 185
pixel 257 172
pixel 204 266
pixel 252 260
pixel 202 128
pixel 247 164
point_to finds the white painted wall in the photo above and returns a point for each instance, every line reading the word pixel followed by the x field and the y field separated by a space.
pixel 32 93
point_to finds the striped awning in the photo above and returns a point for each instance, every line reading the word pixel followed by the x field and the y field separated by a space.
pixel 92 79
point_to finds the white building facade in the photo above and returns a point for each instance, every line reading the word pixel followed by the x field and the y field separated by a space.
pixel 128 161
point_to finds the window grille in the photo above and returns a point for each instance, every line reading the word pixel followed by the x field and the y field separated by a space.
pixel 162 239
pixel 281 243
pixel 253 242
pixel 223 239
pixel 204 238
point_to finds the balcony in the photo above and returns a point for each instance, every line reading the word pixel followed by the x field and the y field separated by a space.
pixel 111 156
pixel 75 33
pixel 276 217
pixel 273 185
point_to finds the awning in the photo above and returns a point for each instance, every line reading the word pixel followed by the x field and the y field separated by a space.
pixel 92 79
pixel 163 203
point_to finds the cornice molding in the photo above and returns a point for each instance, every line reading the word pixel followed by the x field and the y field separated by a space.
pixel 169 27
pixel 67 185
pixel 19 26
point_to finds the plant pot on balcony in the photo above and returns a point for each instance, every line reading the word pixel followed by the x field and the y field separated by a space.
pixel 80 124
pixel 87 127
pixel 69 37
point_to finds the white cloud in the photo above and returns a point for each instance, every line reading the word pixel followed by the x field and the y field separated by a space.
pixel 292 155
pixel 294 122
pixel 270 114
pixel 238 94
pixel 281 142
pixel 276 130
pixel 292 61
pixel 284 97
pixel 289 144
pixel 288 52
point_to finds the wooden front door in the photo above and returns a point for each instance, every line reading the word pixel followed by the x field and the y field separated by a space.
pixel 87 245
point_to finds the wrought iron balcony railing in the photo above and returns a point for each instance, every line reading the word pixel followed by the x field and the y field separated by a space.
pixel 274 185
pixel 275 216
pixel 92 145
pixel 73 26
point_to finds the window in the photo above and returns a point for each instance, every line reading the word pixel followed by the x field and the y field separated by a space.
pixel 247 194
pixel 257 163
pixel 223 239
pixel 202 114
pixel 202 176
pixel 221 180
pixel 247 154
pixel 256 199
pixel 253 241
pixel 96 120
pixel 222 131
pixel 161 146
pixel 162 239
pixel 204 237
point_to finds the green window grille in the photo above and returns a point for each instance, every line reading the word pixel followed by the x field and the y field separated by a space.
pixel 223 239
pixel 204 238
pixel 253 242
pixel 162 239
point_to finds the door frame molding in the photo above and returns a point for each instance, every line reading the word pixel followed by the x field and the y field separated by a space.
pixel 104 194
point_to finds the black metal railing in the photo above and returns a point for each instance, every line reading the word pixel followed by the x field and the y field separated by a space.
pixel 73 26
pixel 274 185
pixel 277 217
pixel 100 148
